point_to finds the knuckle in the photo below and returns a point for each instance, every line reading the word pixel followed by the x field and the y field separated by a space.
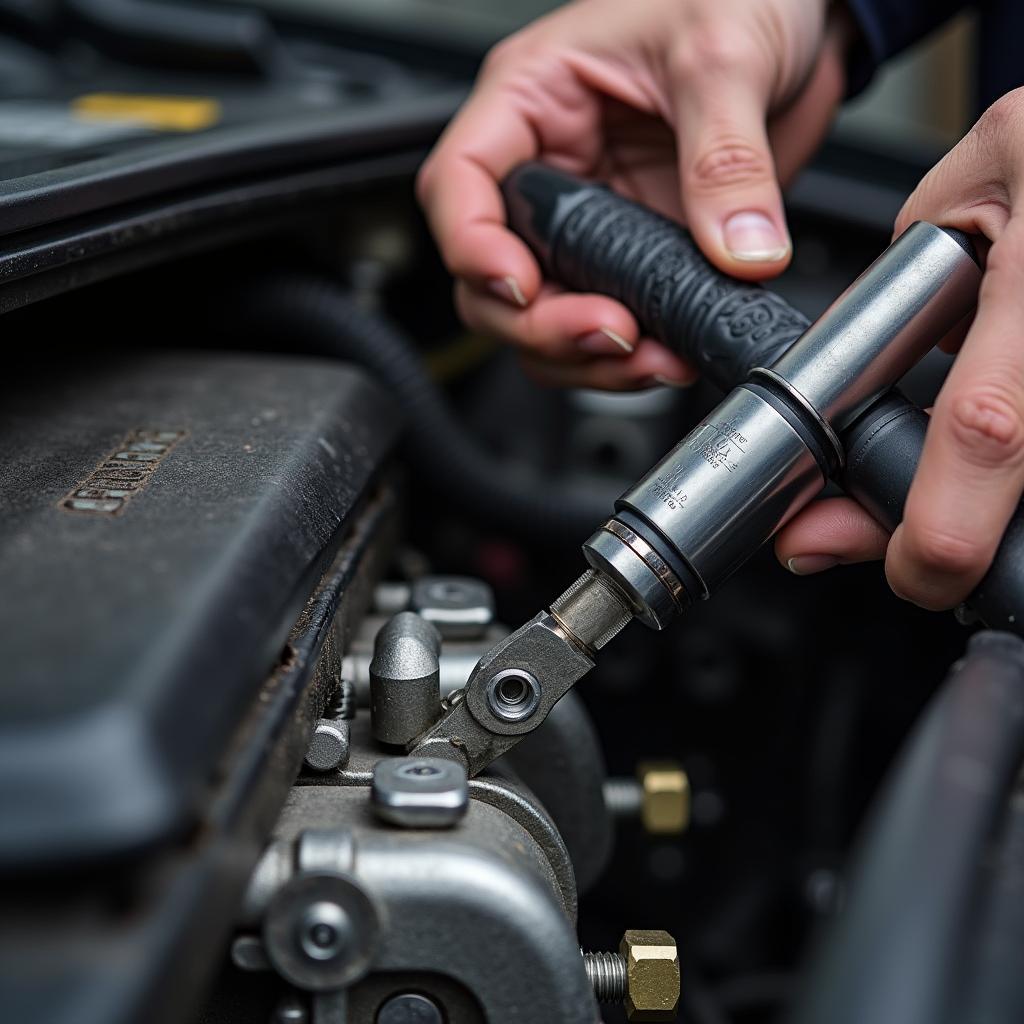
pixel 501 54
pixel 710 48
pixel 986 426
pixel 933 549
pixel 730 161
pixel 1006 114
pixel 1004 267
pixel 424 182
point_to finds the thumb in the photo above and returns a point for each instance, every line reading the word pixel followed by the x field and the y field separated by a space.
pixel 731 196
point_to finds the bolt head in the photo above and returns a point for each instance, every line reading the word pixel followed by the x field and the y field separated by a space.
pixel 324 931
pixel 460 607
pixel 320 931
pixel 652 975
pixel 409 1008
pixel 329 745
pixel 420 792
pixel 666 803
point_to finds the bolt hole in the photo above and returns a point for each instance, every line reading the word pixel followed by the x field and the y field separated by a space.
pixel 419 771
pixel 323 935
pixel 513 695
pixel 513 690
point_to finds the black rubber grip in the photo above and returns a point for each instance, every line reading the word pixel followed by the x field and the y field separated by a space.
pixel 883 447
pixel 593 240
pixel 590 239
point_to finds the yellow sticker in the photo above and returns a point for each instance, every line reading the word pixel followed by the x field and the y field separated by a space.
pixel 162 113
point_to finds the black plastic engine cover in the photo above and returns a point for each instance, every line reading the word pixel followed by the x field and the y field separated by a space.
pixel 163 519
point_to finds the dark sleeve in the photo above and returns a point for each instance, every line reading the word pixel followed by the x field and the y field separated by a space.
pixel 889 26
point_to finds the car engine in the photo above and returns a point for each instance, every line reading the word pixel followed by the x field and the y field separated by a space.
pixel 266 506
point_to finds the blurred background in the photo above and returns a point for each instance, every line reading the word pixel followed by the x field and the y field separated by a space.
pixel 922 98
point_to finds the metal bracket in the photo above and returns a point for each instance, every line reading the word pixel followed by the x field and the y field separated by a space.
pixel 487 719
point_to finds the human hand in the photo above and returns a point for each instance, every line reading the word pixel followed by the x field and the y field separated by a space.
pixel 971 474
pixel 697 108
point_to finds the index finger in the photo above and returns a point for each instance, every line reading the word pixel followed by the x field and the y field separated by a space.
pixel 459 189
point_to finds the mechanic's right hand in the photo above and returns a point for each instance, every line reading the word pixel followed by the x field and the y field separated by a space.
pixel 695 107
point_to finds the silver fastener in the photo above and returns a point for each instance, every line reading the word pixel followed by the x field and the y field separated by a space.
pixel 320 931
pixel 420 792
pixel 329 745
pixel 409 1008
pixel 459 606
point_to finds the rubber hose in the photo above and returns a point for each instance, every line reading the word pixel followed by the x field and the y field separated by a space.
pixel 893 952
pixel 325 320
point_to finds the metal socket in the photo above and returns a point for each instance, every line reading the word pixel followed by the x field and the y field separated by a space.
pixel 921 287
pixel 717 496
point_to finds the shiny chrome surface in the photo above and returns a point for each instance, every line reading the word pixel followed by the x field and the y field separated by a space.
pixel 728 486
pixel 636 570
pixel 923 285
pixel 782 386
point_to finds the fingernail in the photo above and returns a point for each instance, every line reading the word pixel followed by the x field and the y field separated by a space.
pixel 507 288
pixel 807 565
pixel 754 237
pixel 671 382
pixel 604 342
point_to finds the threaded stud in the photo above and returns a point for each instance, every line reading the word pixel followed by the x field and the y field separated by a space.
pixel 624 798
pixel 607 974
pixel 343 704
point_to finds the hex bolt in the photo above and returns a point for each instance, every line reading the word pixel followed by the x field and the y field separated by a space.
pixel 460 607
pixel 409 1008
pixel 419 792
pixel 659 796
pixel 643 976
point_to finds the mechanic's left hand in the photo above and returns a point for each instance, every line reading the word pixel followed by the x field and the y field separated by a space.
pixel 971 473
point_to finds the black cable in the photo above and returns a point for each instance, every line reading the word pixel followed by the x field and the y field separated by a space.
pixel 892 954
pixel 991 983
pixel 319 317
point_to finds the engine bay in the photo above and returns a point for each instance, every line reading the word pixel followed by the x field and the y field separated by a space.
pixel 267 505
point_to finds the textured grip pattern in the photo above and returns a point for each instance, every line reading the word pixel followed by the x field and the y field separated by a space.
pixel 726 327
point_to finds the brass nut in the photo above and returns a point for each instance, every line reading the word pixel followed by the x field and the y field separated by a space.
pixel 666 803
pixel 652 975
